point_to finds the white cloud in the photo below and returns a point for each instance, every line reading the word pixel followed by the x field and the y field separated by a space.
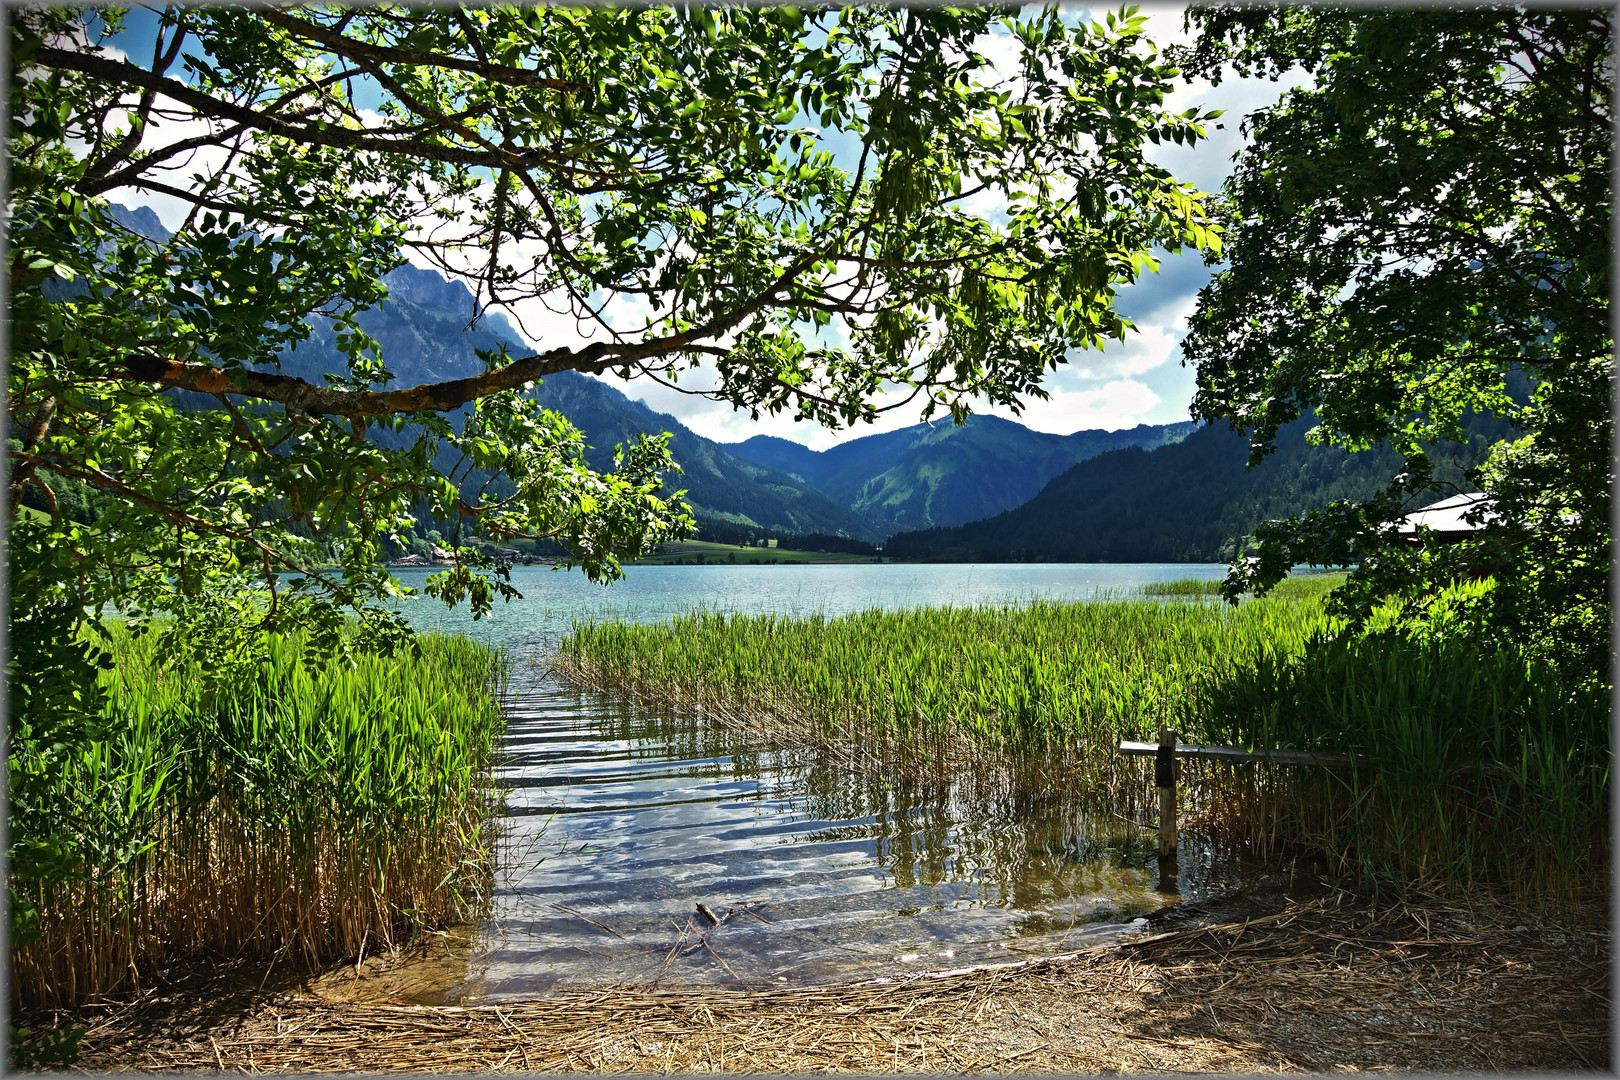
pixel 723 424
pixel 177 171
pixel 1004 53
pixel 1208 164
pixel 546 328
pixel 990 204
pixel 1120 403
pixel 717 420
pixel 1156 342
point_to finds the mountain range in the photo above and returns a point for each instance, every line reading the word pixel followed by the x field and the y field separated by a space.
pixel 988 490
pixel 429 330
pixel 943 473
pixel 925 475
pixel 1193 501
pixel 865 489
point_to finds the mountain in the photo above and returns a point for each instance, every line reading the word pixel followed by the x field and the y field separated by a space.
pixel 1190 501
pixel 942 474
pixel 720 486
pixel 428 333
pixel 141 220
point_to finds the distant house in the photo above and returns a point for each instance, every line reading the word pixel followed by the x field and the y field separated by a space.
pixel 409 560
pixel 1447 519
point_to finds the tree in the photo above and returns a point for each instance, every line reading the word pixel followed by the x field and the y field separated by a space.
pixel 1427 223
pixel 682 159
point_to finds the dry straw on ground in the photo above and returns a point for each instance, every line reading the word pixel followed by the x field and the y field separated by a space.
pixel 1318 986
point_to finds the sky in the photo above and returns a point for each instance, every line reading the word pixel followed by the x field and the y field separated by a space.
pixel 1139 381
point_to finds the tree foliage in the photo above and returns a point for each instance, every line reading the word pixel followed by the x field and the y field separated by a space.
pixel 590 156
pixel 1428 217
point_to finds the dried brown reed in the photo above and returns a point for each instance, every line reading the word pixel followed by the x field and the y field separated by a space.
pixel 233 886
pixel 1318 985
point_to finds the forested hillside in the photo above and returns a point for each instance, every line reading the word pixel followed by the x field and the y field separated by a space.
pixel 941 474
pixel 723 488
pixel 1192 501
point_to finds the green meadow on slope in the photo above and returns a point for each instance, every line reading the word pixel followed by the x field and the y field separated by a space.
pixel 943 474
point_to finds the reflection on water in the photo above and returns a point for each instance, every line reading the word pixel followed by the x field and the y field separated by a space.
pixel 816 867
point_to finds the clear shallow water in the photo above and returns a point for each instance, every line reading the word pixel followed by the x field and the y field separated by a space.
pixel 619 823
pixel 630 822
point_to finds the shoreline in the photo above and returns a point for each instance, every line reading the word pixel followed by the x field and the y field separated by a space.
pixel 1333 983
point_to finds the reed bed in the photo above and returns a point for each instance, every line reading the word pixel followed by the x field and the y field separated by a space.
pixel 1037 676
pixel 1296 587
pixel 1476 767
pixel 961 696
pixel 1183 587
pixel 300 813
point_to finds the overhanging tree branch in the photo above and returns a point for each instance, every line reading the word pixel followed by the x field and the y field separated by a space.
pixel 385 54
pixel 340 138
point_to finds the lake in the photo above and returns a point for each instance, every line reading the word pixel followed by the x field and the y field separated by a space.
pixel 618 823
pixel 552 599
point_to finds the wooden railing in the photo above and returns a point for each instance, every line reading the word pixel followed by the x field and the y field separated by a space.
pixel 1167 771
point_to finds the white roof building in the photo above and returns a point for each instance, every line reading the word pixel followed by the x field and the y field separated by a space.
pixel 1447 517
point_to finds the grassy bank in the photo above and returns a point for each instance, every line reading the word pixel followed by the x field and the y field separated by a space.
pixel 301 812
pixel 1478 767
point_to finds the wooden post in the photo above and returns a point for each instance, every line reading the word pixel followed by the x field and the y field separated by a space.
pixel 1164 778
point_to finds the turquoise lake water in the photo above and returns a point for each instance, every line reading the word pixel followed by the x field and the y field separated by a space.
pixel 552 599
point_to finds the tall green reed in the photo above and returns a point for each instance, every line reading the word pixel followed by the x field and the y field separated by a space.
pixel 1043 677
pixel 303 811
pixel 1476 765
pixel 1298 587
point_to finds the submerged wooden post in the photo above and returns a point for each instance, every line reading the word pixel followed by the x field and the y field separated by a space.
pixel 1164 778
